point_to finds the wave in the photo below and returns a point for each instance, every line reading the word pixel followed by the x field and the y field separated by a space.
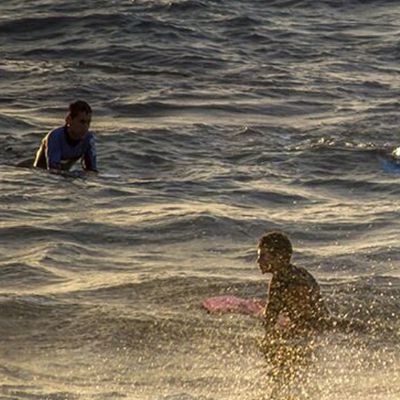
pixel 17 275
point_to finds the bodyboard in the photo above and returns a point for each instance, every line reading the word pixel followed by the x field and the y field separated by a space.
pixel 233 304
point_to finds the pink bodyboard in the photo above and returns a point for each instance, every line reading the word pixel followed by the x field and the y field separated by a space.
pixel 233 304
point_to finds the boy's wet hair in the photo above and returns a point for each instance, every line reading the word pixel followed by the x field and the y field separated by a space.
pixel 79 106
pixel 276 242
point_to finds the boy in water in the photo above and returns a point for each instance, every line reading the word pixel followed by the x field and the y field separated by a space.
pixel 63 146
pixel 295 305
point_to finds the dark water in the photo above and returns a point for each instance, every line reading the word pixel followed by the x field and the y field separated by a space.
pixel 222 120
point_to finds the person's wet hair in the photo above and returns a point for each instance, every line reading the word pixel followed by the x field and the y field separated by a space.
pixel 79 106
pixel 276 243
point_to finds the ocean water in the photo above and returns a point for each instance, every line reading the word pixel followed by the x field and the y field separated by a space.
pixel 220 120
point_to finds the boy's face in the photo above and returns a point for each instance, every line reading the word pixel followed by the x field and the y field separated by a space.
pixel 266 260
pixel 270 262
pixel 78 125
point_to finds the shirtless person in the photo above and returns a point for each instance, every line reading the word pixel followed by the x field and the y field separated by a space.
pixel 295 305
pixel 63 146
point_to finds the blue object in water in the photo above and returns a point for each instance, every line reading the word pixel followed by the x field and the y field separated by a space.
pixel 390 166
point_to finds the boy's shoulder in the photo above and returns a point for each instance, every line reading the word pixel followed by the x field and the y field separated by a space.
pixel 56 132
pixel 296 275
pixel 301 271
pixel 89 139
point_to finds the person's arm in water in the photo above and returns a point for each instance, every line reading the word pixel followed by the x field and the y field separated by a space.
pixel 89 159
pixel 53 152
pixel 274 304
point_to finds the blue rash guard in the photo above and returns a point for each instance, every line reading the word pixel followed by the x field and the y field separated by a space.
pixel 59 151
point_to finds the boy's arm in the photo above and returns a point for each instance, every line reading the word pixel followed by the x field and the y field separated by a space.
pixel 53 152
pixel 274 304
pixel 90 156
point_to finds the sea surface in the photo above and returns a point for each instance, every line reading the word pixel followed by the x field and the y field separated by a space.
pixel 216 121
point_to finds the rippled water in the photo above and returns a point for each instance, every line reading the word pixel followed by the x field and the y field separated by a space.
pixel 221 120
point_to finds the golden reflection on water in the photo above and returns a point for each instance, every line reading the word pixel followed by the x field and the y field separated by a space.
pixel 288 366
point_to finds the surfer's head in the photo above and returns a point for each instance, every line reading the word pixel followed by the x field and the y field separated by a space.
pixel 274 252
pixel 78 119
